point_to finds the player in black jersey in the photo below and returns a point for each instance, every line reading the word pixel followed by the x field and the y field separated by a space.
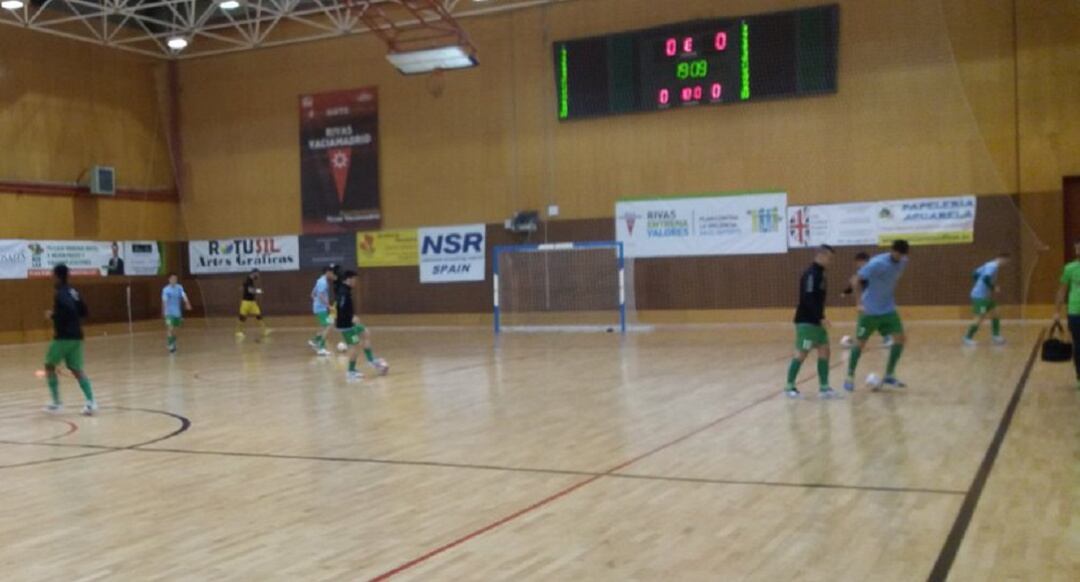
pixel 811 326
pixel 352 331
pixel 249 304
pixel 67 345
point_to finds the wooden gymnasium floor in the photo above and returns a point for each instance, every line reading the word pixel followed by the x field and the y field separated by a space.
pixel 665 456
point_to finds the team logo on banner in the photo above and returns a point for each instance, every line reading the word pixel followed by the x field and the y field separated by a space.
pixel 281 253
pixel 339 161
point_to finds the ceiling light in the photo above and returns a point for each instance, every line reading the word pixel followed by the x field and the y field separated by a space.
pixel 228 4
pixel 12 4
pixel 177 43
pixel 429 60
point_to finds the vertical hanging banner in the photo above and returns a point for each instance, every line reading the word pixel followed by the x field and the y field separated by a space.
pixel 339 161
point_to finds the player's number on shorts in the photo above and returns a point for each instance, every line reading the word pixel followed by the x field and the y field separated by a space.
pixel 861 332
pixel 807 344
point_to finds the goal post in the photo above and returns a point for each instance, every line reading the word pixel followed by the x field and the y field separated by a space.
pixel 570 286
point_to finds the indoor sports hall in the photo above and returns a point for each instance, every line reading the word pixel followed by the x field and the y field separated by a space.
pixel 553 290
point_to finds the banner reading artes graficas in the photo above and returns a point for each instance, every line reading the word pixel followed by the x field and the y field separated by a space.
pixel 339 161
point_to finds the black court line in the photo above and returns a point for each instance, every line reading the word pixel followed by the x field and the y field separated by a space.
pixel 97 450
pixel 971 500
pixel 875 488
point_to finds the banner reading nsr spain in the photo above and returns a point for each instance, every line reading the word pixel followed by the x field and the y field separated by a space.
pixel 239 255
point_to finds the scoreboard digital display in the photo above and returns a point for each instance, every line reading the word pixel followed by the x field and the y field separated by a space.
pixel 729 60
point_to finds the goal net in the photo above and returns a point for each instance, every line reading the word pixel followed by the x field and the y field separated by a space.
pixel 580 286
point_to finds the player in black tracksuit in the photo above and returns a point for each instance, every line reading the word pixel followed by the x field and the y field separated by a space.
pixel 810 324
pixel 67 345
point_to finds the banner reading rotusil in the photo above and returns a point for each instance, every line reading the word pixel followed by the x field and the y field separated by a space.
pixel 339 161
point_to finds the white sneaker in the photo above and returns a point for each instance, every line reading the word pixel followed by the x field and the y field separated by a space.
pixel 314 346
pixel 998 340
pixel 887 341
pixel 322 352
pixel 353 377
pixel 970 342
pixel 381 366
pixel 89 408
pixel 52 407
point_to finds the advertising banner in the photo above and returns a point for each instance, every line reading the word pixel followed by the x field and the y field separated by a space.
pixel 240 255
pixel 322 250
pixel 745 224
pixel 832 224
pixel 142 257
pixel 928 221
pixel 452 254
pixel 388 248
pixel 83 258
pixel 14 259
pixel 921 221
pixel 339 161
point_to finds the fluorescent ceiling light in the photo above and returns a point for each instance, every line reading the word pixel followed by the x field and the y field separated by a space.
pixel 228 4
pixel 177 43
pixel 426 61
pixel 12 4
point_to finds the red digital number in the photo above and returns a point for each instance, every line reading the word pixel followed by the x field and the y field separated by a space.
pixel 688 44
pixel 687 94
pixel 671 47
pixel 717 91
pixel 720 42
pixel 665 96
pixel 698 93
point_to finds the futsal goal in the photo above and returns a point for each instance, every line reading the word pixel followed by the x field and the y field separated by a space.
pixel 572 286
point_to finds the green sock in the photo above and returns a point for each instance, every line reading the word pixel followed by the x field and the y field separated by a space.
pixel 894 357
pixel 995 325
pixel 172 340
pixel 54 388
pixel 87 390
pixel 856 353
pixel 321 342
pixel 793 372
pixel 823 372
pixel 370 355
pixel 972 330
pixel 352 365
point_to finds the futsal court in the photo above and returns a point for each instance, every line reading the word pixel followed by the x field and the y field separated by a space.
pixel 663 455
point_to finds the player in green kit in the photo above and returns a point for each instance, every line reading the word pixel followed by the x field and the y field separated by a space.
pixel 354 333
pixel 172 297
pixel 875 293
pixel 1067 305
pixel 811 331
pixel 67 345
pixel 982 300
pixel 322 308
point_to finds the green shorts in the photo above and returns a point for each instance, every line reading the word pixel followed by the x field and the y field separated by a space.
pixel 887 325
pixel 983 306
pixel 174 321
pixel 352 334
pixel 70 352
pixel 323 319
pixel 809 336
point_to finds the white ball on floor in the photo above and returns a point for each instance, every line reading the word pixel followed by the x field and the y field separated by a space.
pixel 873 380
pixel 846 341
pixel 383 366
pixel 341 347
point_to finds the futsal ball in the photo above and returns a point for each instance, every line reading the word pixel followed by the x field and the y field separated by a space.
pixel 341 347
pixel 873 381
pixel 382 366
pixel 846 341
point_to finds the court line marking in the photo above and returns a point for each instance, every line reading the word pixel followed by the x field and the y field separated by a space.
pixel 953 541
pixel 564 492
pixel 98 450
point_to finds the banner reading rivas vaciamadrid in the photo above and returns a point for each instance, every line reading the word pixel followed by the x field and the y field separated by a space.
pixel 452 254
pixel 744 224
pixel 279 253
pixel 339 161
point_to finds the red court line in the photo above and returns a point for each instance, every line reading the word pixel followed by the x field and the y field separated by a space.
pixel 562 493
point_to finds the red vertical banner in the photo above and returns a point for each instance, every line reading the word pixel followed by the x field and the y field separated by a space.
pixel 339 161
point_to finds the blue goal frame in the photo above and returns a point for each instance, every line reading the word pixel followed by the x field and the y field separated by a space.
pixel 567 246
